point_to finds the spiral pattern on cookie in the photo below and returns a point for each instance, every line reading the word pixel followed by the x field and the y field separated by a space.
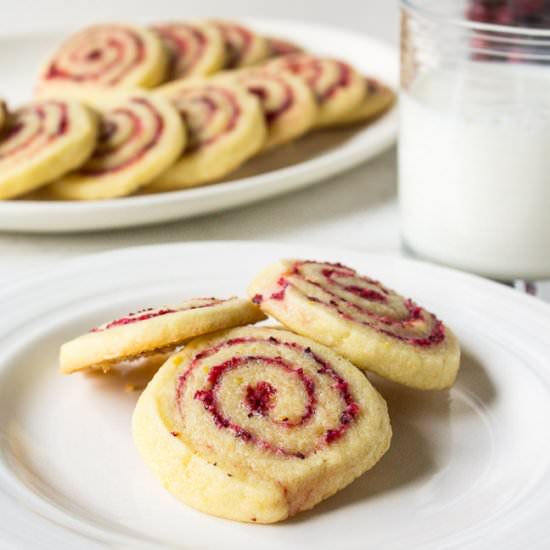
pixel 359 299
pixel 273 91
pixel 338 88
pixel 243 47
pixel 42 141
pixel 288 105
pixel 325 76
pixel 194 49
pixel 378 98
pixel 126 134
pixel 225 127
pixel 366 322
pixel 32 128
pixel 209 112
pixel 104 56
pixel 140 136
pixel 257 424
pixel 267 392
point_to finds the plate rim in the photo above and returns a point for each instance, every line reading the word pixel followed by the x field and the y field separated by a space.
pixel 31 279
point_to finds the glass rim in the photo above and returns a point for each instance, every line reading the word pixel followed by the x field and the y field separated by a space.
pixel 412 7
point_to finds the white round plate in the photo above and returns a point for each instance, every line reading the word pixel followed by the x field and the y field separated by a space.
pixel 467 469
pixel 309 160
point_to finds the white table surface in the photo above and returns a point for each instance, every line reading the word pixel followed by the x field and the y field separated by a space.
pixel 355 210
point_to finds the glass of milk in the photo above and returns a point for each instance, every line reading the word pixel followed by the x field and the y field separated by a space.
pixel 474 145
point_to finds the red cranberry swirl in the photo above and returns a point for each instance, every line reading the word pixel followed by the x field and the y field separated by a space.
pixel 324 76
pixel 359 299
pixel 269 391
pixel 274 93
pixel 152 313
pixel 101 54
pixel 29 129
pixel 127 133
pixel 238 43
pixel 209 111
pixel 186 45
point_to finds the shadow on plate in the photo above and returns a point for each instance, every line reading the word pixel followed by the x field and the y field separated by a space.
pixel 128 376
pixel 410 457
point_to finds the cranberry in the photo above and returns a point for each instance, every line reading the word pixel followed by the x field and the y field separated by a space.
pixel 479 13
pixel 259 398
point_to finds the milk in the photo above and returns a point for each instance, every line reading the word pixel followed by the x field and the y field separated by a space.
pixel 474 163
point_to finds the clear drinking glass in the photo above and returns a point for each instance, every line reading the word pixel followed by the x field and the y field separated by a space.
pixel 474 146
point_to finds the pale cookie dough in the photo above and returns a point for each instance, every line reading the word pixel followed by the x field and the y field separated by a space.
pixel 374 327
pixel 141 135
pixel 379 98
pixel 151 330
pixel 102 57
pixel 258 424
pixel 42 141
pixel 225 127
pixel 194 49
pixel 288 104
pixel 243 47
pixel 338 87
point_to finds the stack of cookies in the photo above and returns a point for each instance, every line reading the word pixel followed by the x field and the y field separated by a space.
pixel 256 423
pixel 121 108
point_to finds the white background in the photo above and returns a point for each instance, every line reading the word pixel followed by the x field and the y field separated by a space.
pixel 376 17
pixel 356 210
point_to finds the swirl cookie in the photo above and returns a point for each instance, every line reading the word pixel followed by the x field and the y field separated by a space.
pixel 243 47
pixel 42 141
pixel 103 57
pixel 279 46
pixel 258 424
pixel 338 87
pixel 152 330
pixel 371 325
pixel 378 99
pixel 141 135
pixel 289 107
pixel 225 126
pixel 194 49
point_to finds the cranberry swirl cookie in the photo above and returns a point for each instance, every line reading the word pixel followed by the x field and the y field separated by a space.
pixel 279 46
pixel 140 136
pixel 338 88
pixel 194 49
pixel 258 424
pixel 289 106
pixel 152 330
pixel 243 47
pixel 225 127
pixel 102 57
pixel 42 141
pixel 378 98
pixel 373 326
